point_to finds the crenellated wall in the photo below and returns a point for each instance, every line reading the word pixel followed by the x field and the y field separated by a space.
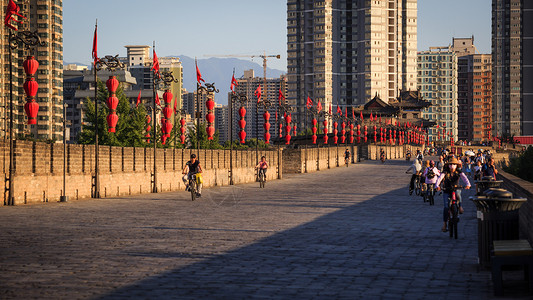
pixel 38 169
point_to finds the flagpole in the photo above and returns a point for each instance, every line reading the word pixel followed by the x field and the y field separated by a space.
pixel 96 146
pixel 154 130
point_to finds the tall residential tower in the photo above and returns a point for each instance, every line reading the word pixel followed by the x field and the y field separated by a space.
pixel 343 52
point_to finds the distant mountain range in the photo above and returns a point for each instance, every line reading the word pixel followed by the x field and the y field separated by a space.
pixel 218 71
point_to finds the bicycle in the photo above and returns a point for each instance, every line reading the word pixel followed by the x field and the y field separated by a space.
pixel 192 186
pixel 261 176
pixel 453 210
pixel 347 161
pixel 418 187
pixel 382 158
pixel 431 194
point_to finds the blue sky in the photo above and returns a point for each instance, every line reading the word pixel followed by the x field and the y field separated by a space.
pixel 235 27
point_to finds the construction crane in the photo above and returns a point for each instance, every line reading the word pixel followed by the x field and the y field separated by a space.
pixel 264 56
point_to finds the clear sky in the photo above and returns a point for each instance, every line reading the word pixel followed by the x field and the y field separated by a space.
pixel 235 27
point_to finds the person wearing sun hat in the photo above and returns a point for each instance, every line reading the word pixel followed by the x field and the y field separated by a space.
pixel 449 179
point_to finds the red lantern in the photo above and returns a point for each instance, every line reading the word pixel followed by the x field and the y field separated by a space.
pixel 168 127
pixel 280 127
pixel 358 133
pixel 167 97
pixel 375 135
pixel 366 133
pixel 343 132
pixel 313 129
pixel 182 129
pixel 112 103
pixel 266 116
pixel 335 131
pixel 325 123
pixel 30 66
pixel 288 120
pixel 210 117
pixel 351 133
pixel 31 87
pixel 242 124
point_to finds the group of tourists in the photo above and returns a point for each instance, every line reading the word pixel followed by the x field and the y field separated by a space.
pixel 450 174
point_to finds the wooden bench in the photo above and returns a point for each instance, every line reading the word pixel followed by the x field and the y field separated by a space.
pixel 511 252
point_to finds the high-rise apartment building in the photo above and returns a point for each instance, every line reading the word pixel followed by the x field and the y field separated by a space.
pixel 342 52
pixel 474 86
pixel 437 82
pixel 512 58
pixel 45 17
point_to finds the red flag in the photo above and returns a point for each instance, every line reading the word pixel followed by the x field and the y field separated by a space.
pixel 330 109
pixel 155 65
pixel 157 101
pixel 12 9
pixel 361 115
pixel 437 126
pixel 319 105
pixel 257 93
pixel 176 104
pixel 95 44
pixel 138 99
pixel 346 112
pixel 309 103
pixel 371 118
pixel 280 96
pixel 233 82
pixel 198 75
pixel 339 111
pixel 353 114
pixel 379 119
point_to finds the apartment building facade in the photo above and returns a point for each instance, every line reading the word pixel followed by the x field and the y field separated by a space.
pixel 45 17
pixel 343 52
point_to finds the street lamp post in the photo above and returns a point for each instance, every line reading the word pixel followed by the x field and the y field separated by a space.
pixel 109 63
pixel 160 80
pixel 27 40
pixel 208 88
pixel 242 99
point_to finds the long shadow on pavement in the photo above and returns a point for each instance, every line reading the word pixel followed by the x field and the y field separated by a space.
pixel 352 253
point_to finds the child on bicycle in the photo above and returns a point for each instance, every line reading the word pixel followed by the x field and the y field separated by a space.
pixel 262 166
pixel 449 179
pixel 416 167
pixel 347 156
pixel 431 174
pixel 192 167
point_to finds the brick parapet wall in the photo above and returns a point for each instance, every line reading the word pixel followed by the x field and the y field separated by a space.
pixel 524 189
pixel 38 169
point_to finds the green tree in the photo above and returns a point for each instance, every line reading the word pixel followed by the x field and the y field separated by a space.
pixel 204 142
pixel 521 166
pixel 130 128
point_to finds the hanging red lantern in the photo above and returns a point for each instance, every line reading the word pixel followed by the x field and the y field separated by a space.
pixel 313 129
pixel 266 116
pixel 343 132
pixel 288 120
pixel 358 133
pixel 167 96
pixel 30 66
pixel 242 124
pixel 210 117
pixel 280 129
pixel 366 133
pixel 325 130
pixel 351 133
pixel 148 128
pixel 112 103
pixel 381 137
pixel 30 88
pixel 168 128
pixel 182 130
pixel 375 135
pixel 335 132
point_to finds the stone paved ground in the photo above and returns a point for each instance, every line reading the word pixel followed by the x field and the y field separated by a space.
pixel 345 233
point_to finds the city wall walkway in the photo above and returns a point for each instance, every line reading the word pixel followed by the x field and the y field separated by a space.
pixel 344 233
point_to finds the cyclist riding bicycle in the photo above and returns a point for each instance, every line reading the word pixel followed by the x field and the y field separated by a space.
pixel 431 175
pixel 347 156
pixel 192 167
pixel 450 181
pixel 262 166
pixel 416 167
pixel 382 155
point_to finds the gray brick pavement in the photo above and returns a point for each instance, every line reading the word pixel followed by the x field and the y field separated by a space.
pixel 345 233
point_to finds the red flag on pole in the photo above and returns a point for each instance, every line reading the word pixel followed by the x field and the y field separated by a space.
pixel 233 82
pixel 157 101
pixel 95 44
pixel 138 99
pixel 361 115
pixel 280 96
pixel 353 114
pixel 198 74
pixel 319 105
pixel 339 110
pixel 309 103
pixel 155 65
pixel 257 93
pixel 12 9
pixel 176 104
pixel 346 112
